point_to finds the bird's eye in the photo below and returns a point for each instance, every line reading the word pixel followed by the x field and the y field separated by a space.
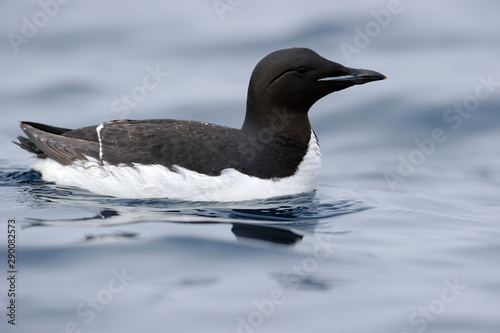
pixel 301 70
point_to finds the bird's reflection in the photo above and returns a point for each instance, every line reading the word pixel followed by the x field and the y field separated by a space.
pixel 282 220
pixel 272 234
pixel 266 233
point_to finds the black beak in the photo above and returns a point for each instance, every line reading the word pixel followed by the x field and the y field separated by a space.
pixel 356 76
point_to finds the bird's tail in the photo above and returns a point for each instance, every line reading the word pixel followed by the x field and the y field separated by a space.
pixel 28 145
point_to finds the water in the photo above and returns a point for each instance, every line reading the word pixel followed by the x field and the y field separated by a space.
pixel 401 236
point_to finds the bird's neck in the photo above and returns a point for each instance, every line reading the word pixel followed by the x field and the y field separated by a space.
pixel 275 120
pixel 277 128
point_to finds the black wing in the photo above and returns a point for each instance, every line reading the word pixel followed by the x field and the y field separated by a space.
pixel 49 141
pixel 201 147
pixel 197 146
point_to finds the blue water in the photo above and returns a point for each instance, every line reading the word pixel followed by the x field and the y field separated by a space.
pixel 403 234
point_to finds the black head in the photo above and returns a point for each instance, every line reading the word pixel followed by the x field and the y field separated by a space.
pixel 294 79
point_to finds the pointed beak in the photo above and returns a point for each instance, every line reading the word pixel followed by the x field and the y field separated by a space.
pixel 356 76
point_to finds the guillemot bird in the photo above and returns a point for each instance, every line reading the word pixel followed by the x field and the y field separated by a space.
pixel 275 153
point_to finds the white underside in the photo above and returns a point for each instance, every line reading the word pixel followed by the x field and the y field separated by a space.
pixel 157 181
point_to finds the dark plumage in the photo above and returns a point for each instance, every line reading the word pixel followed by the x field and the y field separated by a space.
pixel 271 143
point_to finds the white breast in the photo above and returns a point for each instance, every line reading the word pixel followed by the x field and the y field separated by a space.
pixel 157 181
